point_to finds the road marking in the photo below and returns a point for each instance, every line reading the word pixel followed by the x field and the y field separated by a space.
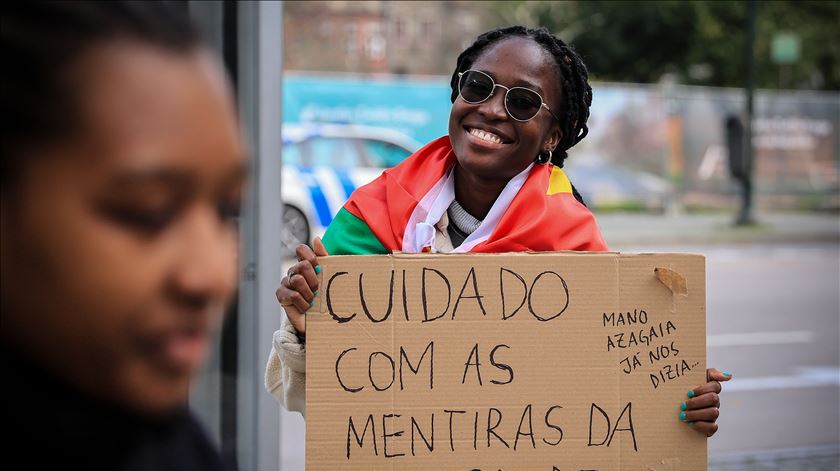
pixel 804 378
pixel 759 338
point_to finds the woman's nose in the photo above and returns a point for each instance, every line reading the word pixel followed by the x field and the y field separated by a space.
pixel 494 107
pixel 205 270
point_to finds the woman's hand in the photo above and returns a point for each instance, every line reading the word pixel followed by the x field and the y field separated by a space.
pixel 297 289
pixel 702 409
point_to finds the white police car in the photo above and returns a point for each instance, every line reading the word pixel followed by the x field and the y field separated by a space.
pixel 323 164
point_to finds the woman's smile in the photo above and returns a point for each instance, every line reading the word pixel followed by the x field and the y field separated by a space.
pixel 485 138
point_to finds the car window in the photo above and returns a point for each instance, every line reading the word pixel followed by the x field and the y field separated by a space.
pixel 384 154
pixel 291 154
pixel 334 152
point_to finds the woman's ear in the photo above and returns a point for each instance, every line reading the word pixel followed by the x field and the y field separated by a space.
pixel 553 139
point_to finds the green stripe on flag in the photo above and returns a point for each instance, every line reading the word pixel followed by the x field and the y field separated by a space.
pixel 349 235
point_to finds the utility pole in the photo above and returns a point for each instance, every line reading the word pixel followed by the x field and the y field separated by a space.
pixel 745 215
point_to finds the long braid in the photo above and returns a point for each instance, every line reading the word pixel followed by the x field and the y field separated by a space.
pixel 574 82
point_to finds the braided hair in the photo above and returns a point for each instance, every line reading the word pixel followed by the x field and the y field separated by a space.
pixel 43 40
pixel 574 83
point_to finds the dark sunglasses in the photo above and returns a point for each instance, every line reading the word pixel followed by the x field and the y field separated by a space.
pixel 521 103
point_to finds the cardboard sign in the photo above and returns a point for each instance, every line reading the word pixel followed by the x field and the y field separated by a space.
pixel 551 361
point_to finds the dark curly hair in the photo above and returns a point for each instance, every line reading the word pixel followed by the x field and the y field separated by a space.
pixel 577 94
pixel 41 41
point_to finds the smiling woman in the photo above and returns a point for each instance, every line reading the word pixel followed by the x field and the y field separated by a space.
pixel 122 175
pixel 520 100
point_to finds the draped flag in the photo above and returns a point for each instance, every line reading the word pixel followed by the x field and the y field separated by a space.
pixel 543 215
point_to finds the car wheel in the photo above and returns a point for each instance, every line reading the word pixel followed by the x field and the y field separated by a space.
pixel 295 230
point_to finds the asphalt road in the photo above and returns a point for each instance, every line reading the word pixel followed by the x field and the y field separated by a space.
pixel 774 322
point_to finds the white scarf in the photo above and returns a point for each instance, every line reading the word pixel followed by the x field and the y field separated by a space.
pixel 419 235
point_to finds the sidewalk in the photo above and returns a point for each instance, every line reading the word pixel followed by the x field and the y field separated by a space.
pixel 823 458
pixel 632 229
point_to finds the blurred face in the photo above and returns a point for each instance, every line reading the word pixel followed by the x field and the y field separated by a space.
pixel 513 62
pixel 119 247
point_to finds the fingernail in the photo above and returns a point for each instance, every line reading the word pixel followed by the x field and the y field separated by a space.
pixel 312 304
pixel 317 268
pixel 315 293
pixel 682 406
pixel 690 393
pixel 682 416
pixel 726 373
pixel 690 423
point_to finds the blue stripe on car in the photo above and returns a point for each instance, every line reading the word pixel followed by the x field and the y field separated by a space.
pixel 322 208
pixel 346 183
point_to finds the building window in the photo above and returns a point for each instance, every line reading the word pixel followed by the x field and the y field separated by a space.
pixel 351 33
pixel 400 30
pixel 375 42
pixel 427 28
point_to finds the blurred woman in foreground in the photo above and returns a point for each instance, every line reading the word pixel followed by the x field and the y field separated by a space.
pixel 122 172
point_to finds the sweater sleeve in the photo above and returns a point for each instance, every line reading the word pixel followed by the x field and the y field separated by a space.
pixel 285 373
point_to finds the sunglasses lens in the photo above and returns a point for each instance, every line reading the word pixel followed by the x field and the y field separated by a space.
pixel 523 104
pixel 475 87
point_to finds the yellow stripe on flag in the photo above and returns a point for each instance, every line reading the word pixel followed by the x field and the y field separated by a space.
pixel 558 182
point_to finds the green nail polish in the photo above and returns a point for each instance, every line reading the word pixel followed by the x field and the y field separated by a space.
pixel 315 293
pixel 682 416
pixel 726 373
pixel 312 304
pixel 690 393
pixel 682 406
pixel 317 268
pixel 690 423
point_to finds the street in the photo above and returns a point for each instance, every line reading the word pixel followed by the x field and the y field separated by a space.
pixel 774 322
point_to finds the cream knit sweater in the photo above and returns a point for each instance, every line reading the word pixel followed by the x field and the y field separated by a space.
pixel 285 373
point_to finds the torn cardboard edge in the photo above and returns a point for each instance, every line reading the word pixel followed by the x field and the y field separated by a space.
pixel 672 280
